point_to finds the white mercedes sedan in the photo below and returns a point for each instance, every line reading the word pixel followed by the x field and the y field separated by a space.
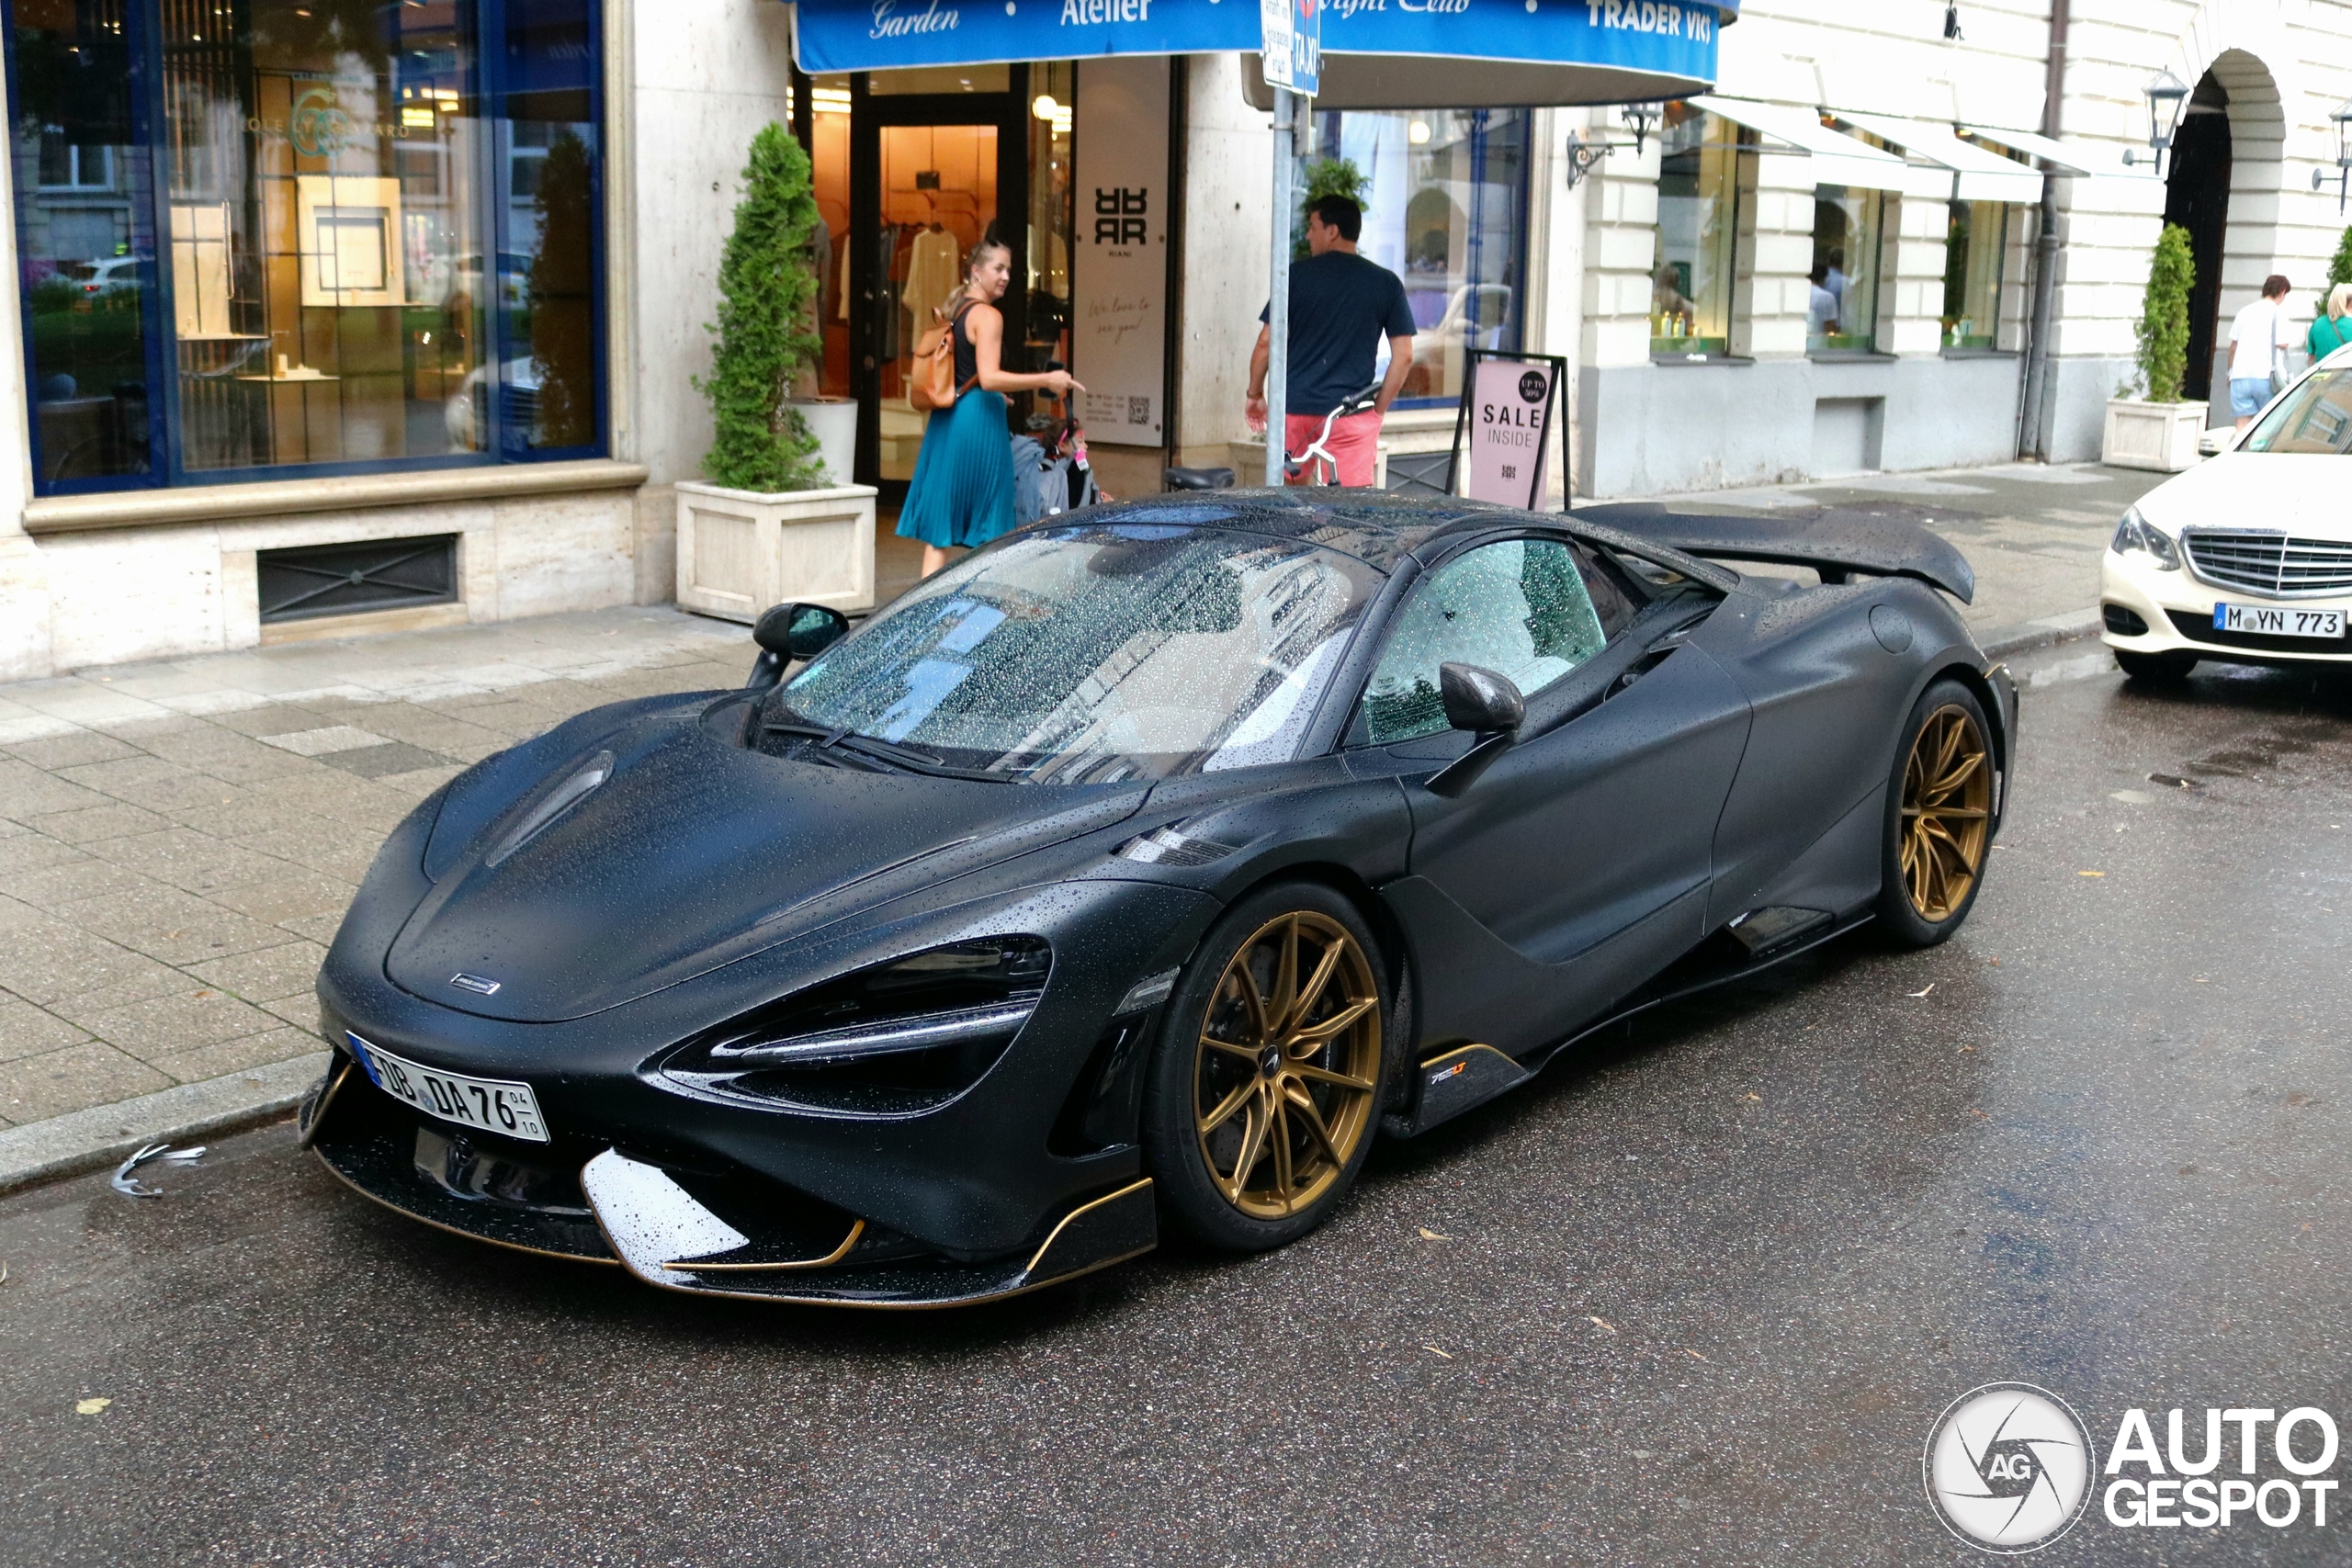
pixel 2247 557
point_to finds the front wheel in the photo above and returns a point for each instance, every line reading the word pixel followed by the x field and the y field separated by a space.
pixel 1267 1081
pixel 1939 817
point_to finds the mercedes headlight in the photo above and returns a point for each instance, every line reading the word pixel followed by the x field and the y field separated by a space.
pixel 900 1037
pixel 2136 534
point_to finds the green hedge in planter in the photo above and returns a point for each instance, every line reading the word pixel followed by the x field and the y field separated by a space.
pixel 2163 327
pixel 766 326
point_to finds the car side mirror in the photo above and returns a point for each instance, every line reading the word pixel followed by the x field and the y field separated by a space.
pixel 790 632
pixel 1479 700
pixel 1487 705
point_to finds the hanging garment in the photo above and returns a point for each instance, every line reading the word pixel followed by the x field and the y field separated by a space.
pixel 930 275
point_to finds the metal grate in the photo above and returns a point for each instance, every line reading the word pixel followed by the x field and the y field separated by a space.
pixel 342 579
pixel 2268 562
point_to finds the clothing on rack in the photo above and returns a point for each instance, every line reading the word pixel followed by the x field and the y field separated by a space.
pixel 930 276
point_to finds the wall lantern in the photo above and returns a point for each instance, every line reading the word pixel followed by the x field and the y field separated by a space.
pixel 1582 155
pixel 2342 118
pixel 2167 95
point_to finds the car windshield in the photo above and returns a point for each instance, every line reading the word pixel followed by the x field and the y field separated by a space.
pixel 1098 653
pixel 2315 417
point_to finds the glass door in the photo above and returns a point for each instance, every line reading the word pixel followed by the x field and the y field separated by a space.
pixel 929 171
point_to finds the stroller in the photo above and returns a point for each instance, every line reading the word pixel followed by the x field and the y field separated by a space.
pixel 1052 476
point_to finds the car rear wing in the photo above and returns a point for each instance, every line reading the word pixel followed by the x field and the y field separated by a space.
pixel 1834 542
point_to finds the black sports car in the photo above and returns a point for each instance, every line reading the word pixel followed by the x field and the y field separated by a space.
pixel 1131 873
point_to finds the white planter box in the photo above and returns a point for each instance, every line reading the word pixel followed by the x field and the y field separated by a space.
pixel 2162 436
pixel 739 552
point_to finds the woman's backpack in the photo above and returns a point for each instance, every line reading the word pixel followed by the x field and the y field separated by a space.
pixel 931 381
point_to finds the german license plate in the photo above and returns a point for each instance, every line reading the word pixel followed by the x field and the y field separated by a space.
pixel 2279 620
pixel 491 1105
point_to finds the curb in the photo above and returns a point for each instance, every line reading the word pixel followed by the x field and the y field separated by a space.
pixel 104 1135
pixel 2025 635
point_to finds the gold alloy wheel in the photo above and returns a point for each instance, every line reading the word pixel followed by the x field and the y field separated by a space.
pixel 1288 1058
pixel 1947 810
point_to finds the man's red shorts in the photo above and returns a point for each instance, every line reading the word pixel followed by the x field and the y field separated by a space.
pixel 1354 442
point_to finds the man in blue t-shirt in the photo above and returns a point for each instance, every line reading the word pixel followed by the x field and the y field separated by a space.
pixel 1341 307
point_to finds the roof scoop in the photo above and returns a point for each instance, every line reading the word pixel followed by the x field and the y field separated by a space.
pixel 562 798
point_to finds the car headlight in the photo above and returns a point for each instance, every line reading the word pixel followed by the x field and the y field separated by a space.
pixel 900 1037
pixel 2136 533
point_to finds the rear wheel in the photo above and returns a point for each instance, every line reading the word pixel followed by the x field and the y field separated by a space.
pixel 1267 1081
pixel 1939 817
pixel 2173 666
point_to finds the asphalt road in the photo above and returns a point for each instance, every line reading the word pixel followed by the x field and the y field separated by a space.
pixel 1697 1296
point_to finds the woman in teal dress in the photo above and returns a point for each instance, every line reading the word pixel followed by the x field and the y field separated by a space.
pixel 2332 330
pixel 962 491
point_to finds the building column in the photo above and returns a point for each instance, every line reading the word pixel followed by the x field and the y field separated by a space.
pixel 1911 314
pixel 1775 259
pixel 1229 210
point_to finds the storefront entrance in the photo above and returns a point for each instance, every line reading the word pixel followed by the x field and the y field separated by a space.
pixel 912 167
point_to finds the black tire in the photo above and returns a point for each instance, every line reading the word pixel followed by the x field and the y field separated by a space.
pixel 2157 667
pixel 1938 829
pixel 1213 1056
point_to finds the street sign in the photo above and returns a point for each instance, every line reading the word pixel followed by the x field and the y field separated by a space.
pixel 1291 44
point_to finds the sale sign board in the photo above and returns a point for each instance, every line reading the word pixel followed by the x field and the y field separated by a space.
pixel 1509 418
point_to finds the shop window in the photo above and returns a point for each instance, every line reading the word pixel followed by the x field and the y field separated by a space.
pixel 375 246
pixel 1444 209
pixel 1052 217
pixel 1972 252
pixel 1693 266
pixel 1841 313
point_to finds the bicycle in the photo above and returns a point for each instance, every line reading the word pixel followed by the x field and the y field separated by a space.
pixel 1319 450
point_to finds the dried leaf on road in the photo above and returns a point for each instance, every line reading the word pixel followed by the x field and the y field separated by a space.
pixel 1755 1097
pixel 1606 1324
pixel 2090 873
pixel 1916 995
pixel 1435 1351
pixel 1695 1356
pixel 91 1406
pixel 1429 1234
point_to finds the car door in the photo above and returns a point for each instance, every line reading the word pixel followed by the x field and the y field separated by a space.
pixel 1583 853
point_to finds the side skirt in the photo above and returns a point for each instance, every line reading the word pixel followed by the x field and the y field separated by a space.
pixel 1460 1077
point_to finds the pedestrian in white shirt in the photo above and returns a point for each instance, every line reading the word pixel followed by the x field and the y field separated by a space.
pixel 2260 338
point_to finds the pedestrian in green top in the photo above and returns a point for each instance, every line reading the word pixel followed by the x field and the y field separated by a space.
pixel 2332 330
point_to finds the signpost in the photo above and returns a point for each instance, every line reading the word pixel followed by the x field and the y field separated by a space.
pixel 1506 415
pixel 1291 48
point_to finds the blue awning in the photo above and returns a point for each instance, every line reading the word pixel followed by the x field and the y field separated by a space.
pixel 1376 53
pixel 881 35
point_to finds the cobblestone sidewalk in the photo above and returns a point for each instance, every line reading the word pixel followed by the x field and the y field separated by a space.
pixel 179 840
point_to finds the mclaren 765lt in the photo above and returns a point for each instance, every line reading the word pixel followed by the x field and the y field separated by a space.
pixel 1132 874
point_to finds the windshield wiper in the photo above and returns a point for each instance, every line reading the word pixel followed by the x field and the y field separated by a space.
pixel 835 738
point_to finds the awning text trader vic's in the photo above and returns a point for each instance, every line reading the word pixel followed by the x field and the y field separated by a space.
pixel 1665 39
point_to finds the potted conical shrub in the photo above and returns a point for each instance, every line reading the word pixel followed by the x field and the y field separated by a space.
pixel 769 523
pixel 2158 430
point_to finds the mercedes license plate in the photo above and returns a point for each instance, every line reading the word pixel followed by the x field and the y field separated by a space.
pixel 491 1105
pixel 2279 620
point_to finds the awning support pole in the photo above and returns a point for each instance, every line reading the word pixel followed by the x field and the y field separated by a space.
pixel 1278 286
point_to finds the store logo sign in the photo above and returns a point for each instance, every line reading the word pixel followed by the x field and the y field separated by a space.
pixel 891 21
pixel 318 126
